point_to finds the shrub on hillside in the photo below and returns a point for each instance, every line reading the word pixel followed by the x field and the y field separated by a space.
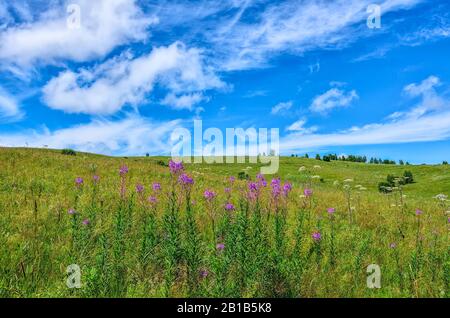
pixel 384 187
pixel 408 176
pixel 162 163
pixel 68 152
pixel 243 176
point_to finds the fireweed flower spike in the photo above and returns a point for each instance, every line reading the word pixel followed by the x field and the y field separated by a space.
pixel 72 212
pixel 307 192
pixel 185 180
pixel 316 237
pixel 392 245
pixel 331 211
pixel 229 207
pixel 175 167
pixel 139 188
pixel 96 179
pixel 419 212
pixel 220 247
pixel 79 182
pixel 287 187
pixel 209 195
pixel 152 200
pixel 123 170
pixel 232 179
pixel 203 273
pixel 86 222
pixel 156 186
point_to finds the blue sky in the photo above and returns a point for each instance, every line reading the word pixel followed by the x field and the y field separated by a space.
pixel 130 72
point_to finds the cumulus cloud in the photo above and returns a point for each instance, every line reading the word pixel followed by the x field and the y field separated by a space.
pixel 106 88
pixel 104 25
pixel 129 136
pixel 281 107
pixel 331 99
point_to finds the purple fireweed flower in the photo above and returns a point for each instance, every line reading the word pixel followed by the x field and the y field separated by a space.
pixel 232 179
pixel 185 180
pixel 152 199
pixel 86 222
pixel 139 188
pixel 419 212
pixel 448 220
pixel 96 178
pixel 123 170
pixel 220 246
pixel 252 186
pixel 316 236
pixel 392 245
pixel 229 207
pixel 72 212
pixel 156 186
pixel 175 167
pixel 287 187
pixel 203 273
pixel 79 181
pixel 276 187
pixel 308 192
pixel 331 210
pixel 209 195
pixel 227 190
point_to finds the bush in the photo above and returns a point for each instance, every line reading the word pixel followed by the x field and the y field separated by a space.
pixel 243 176
pixel 162 163
pixel 69 152
pixel 444 163
pixel 408 176
pixel 384 187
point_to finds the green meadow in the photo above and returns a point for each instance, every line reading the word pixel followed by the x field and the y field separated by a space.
pixel 317 231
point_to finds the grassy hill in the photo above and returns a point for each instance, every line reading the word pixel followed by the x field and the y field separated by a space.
pixel 133 241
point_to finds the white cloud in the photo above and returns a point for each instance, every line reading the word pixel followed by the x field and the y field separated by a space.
pixel 130 136
pixel 332 98
pixel 294 27
pixel 9 107
pixel 105 24
pixel 427 121
pixel 299 127
pixel 281 107
pixel 186 101
pixel 107 87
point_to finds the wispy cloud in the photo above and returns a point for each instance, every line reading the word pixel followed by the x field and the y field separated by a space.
pixel 281 107
pixel 130 136
pixel 9 107
pixel 295 28
pixel 299 127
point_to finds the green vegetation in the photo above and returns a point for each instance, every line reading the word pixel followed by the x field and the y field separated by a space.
pixel 136 229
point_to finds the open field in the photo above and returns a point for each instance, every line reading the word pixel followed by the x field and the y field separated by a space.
pixel 132 239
